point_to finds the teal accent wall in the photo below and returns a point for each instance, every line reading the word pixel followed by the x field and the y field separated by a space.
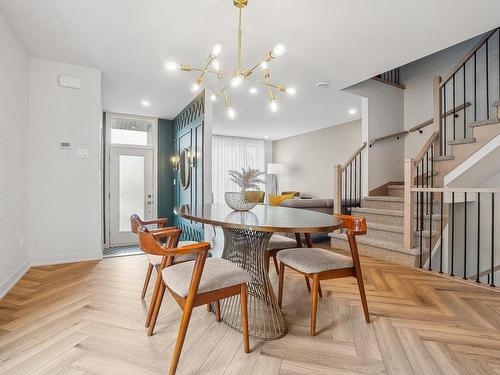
pixel 165 172
pixel 189 132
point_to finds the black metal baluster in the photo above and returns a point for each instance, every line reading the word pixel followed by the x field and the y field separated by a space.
pixel 350 188
pixel 492 281
pixel 360 184
pixel 441 237
pixel 417 198
pixel 465 109
pixel 432 165
pixel 355 181
pixel 427 181
pixel 465 236
pixel 345 191
pixel 421 226
pixel 430 233
pixel 478 234
pixel 444 139
pixel 487 82
pixel 453 102
pixel 452 231
pixel 475 87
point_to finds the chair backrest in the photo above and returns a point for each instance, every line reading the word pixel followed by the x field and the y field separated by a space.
pixel 152 245
pixel 135 223
pixel 353 224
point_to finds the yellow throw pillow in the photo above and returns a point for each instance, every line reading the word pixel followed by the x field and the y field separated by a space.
pixel 275 200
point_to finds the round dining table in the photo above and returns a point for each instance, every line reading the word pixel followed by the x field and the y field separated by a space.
pixel 246 235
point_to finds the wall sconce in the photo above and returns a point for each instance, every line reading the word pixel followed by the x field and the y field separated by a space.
pixel 174 162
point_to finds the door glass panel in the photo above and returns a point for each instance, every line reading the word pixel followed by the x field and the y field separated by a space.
pixel 131 189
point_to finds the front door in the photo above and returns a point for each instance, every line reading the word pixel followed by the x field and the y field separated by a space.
pixel 130 191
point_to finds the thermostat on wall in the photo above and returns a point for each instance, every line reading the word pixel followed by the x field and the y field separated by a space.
pixel 70 82
pixel 65 145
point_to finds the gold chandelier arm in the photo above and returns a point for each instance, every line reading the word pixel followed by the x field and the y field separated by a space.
pixel 223 90
pixel 238 71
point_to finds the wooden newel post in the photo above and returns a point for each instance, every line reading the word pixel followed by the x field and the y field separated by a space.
pixel 337 189
pixel 408 205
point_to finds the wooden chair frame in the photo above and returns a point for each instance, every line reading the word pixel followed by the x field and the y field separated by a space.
pixel 354 226
pixel 135 224
pixel 151 244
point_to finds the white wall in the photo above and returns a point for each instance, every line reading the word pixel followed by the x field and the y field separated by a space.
pixel 65 191
pixel 382 114
pixel 14 227
pixel 309 158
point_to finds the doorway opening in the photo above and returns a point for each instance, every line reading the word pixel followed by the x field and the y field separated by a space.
pixel 130 174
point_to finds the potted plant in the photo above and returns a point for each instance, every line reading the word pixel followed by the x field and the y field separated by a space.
pixel 247 179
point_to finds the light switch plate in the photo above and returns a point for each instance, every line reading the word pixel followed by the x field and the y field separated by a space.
pixel 83 153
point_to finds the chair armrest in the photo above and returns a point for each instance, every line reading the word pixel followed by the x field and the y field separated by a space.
pixel 159 222
pixel 160 233
pixel 195 248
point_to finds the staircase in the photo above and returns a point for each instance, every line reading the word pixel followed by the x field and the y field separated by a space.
pixel 384 239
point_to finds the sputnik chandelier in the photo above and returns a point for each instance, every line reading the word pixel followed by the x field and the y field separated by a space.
pixel 212 66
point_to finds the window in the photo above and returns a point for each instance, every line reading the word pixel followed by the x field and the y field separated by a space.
pixel 129 131
pixel 233 153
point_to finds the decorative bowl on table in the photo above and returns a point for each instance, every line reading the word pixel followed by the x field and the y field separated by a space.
pixel 238 202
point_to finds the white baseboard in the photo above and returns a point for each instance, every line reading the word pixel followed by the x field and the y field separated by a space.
pixel 66 258
pixel 8 284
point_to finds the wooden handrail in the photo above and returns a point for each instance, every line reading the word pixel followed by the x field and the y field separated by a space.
pixel 354 156
pixel 430 121
pixel 457 190
pixel 398 85
pixel 426 147
pixel 468 56
pixel 398 134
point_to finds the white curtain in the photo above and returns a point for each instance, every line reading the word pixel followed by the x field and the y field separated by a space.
pixel 233 153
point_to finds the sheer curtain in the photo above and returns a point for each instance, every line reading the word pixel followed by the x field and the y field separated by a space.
pixel 233 153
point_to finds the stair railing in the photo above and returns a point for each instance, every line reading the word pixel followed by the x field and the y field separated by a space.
pixel 458 94
pixel 348 183
pixel 458 238
pixel 471 80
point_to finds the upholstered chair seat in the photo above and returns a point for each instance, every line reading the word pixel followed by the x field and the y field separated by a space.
pixel 218 274
pixel 280 242
pixel 313 260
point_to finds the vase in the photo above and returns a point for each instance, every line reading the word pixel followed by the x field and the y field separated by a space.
pixel 238 202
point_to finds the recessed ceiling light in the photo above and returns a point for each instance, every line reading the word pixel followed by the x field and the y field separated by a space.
pixel 353 111
pixel 266 136
pixel 145 103
pixel 253 90
pixel 322 84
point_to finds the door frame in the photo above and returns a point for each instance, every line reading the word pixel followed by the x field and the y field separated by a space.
pixel 107 146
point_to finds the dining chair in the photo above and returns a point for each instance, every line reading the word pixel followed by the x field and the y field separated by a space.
pixel 278 242
pixel 320 264
pixel 154 261
pixel 195 283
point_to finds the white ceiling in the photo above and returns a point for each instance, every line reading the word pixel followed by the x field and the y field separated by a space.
pixel 338 41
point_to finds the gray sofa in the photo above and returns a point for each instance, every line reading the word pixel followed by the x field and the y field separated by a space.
pixel 315 204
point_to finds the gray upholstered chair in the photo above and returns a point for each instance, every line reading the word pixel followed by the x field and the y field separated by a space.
pixel 195 283
pixel 320 264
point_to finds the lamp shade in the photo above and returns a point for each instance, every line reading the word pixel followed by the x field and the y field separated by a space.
pixel 275 168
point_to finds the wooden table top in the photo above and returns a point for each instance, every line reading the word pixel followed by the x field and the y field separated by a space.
pixel 262 218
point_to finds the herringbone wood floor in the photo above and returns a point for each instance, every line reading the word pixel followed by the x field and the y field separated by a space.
pixel 87 318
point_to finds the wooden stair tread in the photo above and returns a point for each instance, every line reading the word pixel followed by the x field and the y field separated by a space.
pixel 461 141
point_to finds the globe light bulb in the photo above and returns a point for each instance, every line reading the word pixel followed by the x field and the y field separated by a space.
pixel 291 90
pixel 216 65
pixel 195 87
pixel 231 113
pixel 213 97
pixel 172 66
pixel 236 81
pixel 216 50
pixel 278 50
pixel 253 90
pixel 263 65
pixel 273 105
